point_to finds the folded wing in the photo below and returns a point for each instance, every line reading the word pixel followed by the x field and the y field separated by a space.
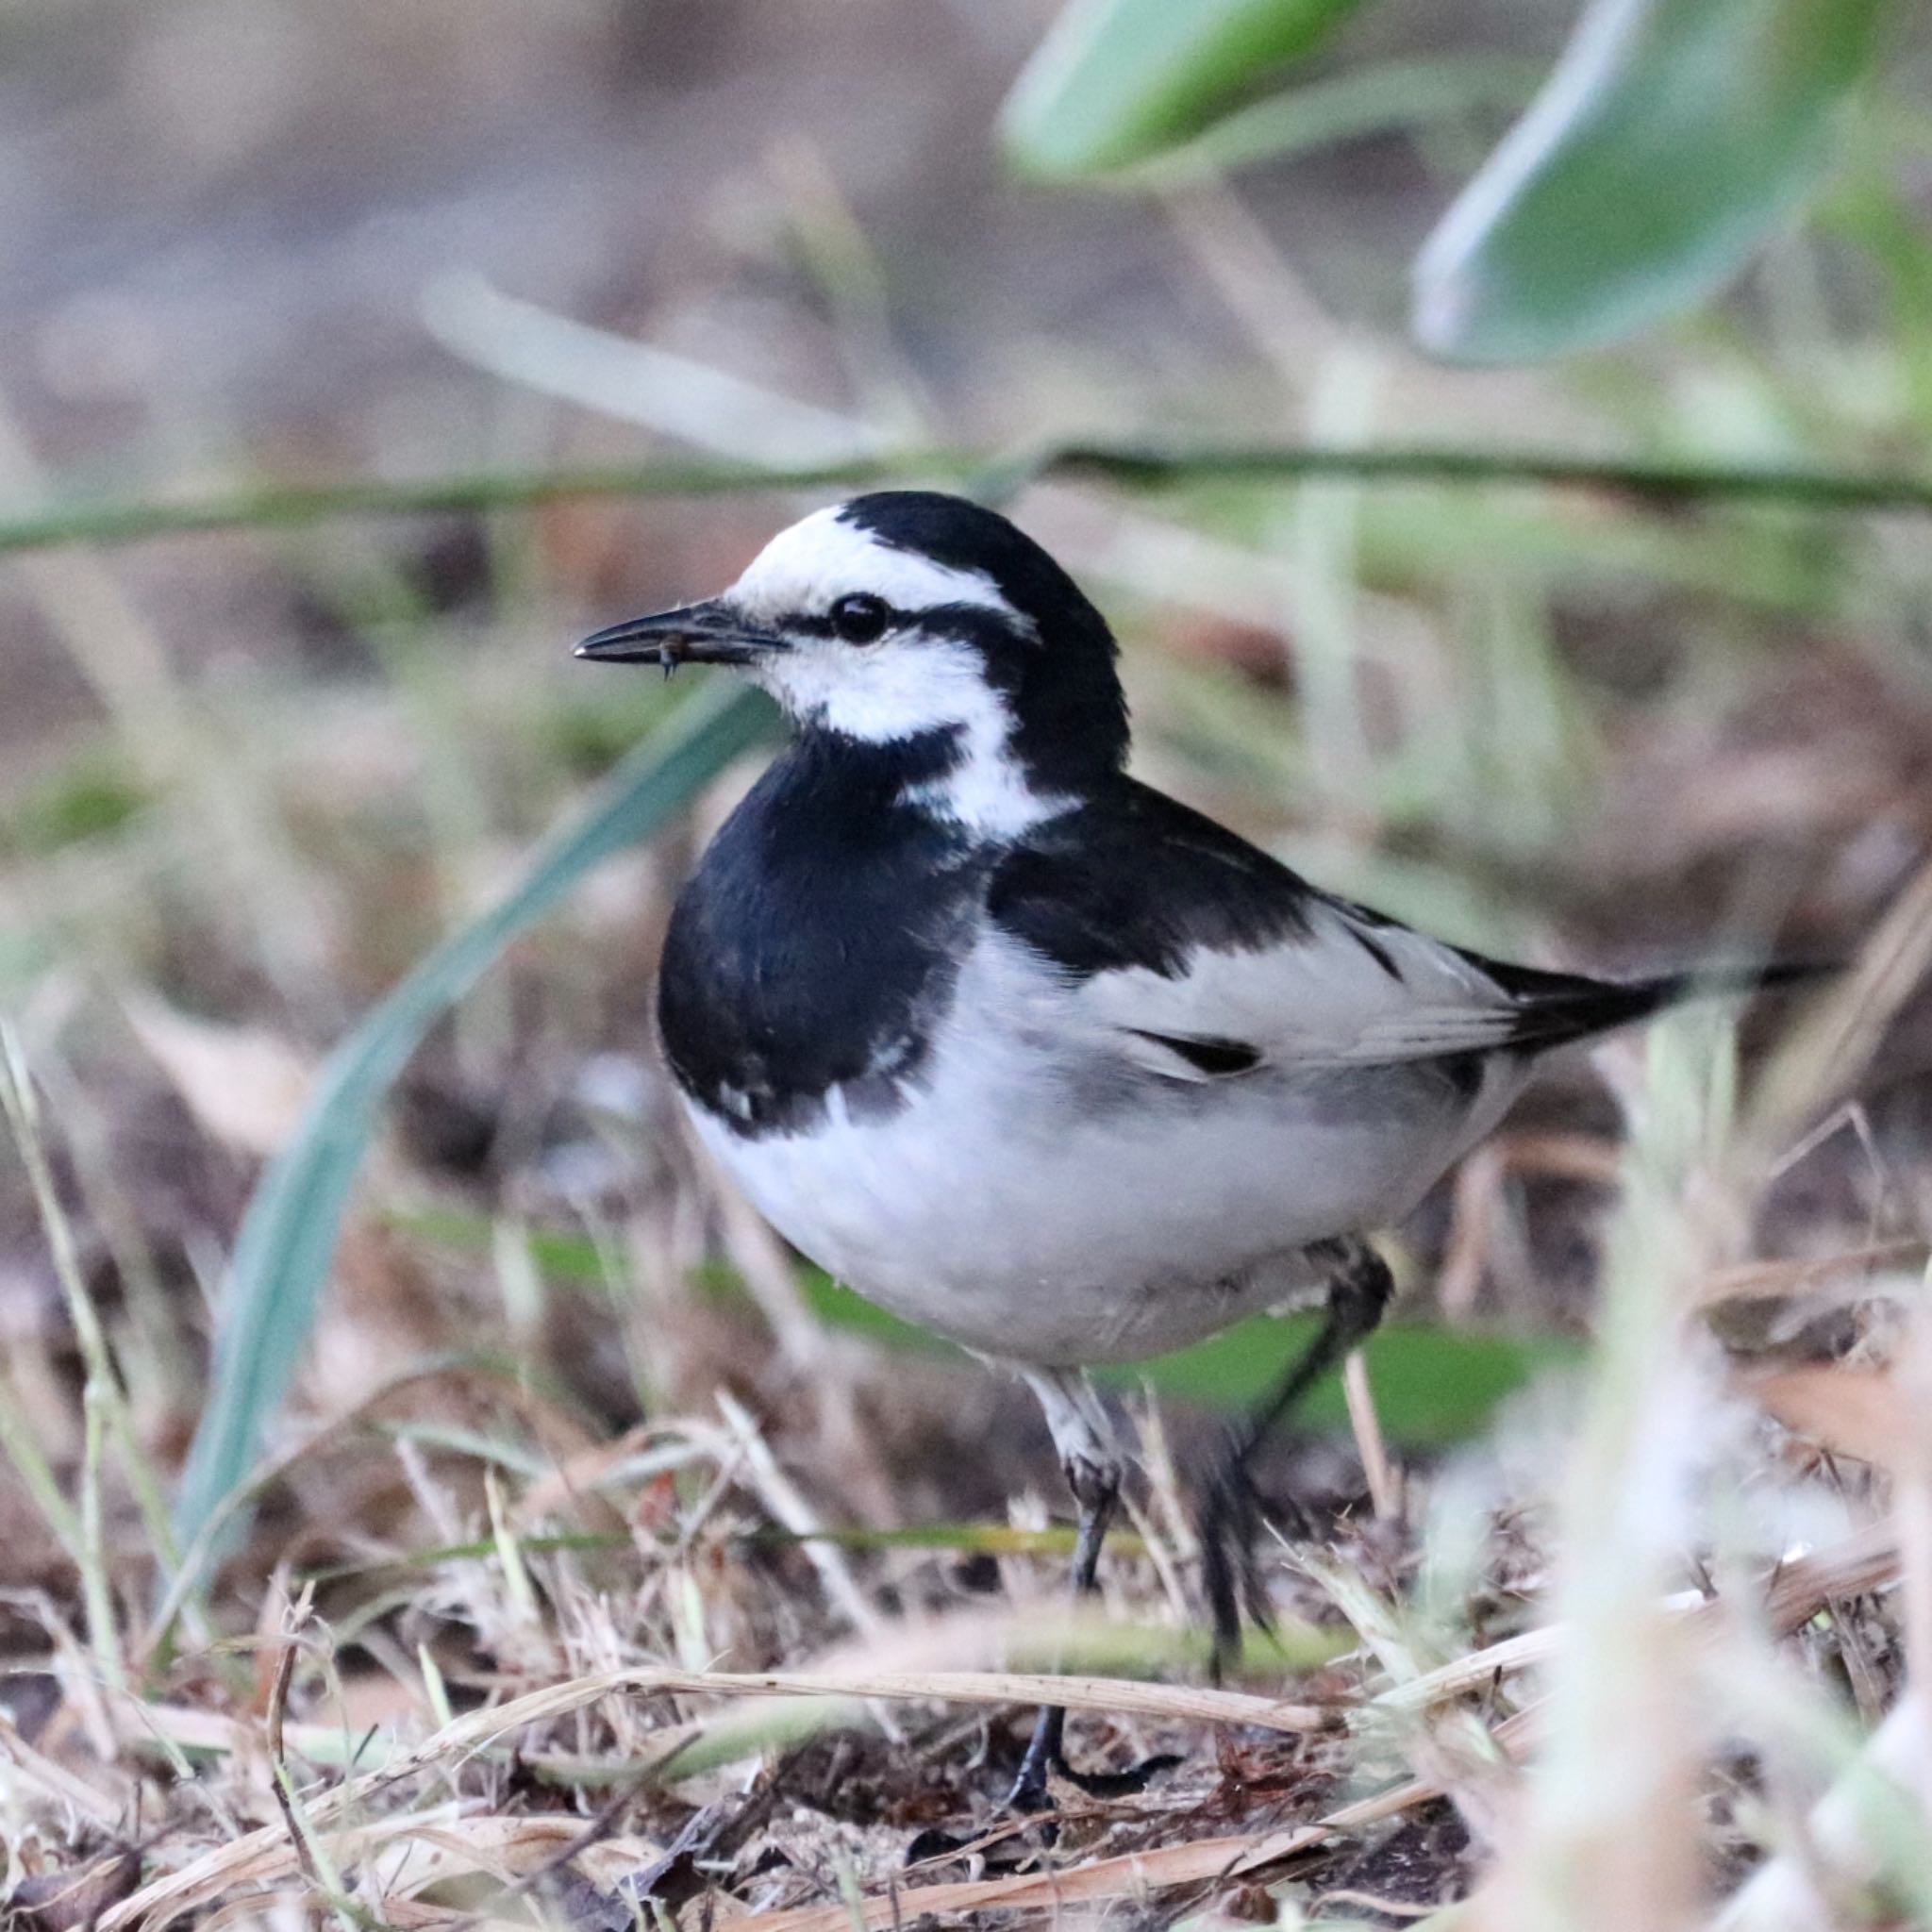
pixel 1211 961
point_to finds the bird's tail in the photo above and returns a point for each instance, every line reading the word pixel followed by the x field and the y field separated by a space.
pixel 1558 1007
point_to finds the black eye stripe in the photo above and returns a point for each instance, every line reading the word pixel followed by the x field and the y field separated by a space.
pixel 813 624
pixel 973 624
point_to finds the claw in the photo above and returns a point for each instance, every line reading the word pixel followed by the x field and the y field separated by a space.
pixel 1030 1792
pixel 1129 1782
pixel 1030 1796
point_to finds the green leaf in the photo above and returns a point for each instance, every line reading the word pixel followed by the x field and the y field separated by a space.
pixel 94 796
pixel 1670 136
pixel 1432 1386
pixel 1115 80
pixel 1386 98
pixel 288 1240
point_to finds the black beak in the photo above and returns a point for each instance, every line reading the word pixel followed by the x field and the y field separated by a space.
pixel 707 633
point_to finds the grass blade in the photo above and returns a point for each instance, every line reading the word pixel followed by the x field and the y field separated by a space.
pixel 1130 462
pixel 288 1240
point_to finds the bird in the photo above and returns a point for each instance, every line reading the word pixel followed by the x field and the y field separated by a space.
pixel 1029 1053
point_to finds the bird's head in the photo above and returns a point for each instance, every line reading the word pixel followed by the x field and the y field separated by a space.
pixel 911 619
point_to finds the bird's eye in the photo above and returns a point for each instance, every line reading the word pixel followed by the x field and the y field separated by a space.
pixel 860 619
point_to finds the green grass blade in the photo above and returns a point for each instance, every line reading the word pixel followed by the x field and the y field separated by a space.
pixel 1672 136
pixel 288 1240
pixel 1116 80
pixel 1132 462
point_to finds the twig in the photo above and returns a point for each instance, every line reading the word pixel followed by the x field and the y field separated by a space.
pixel 1126 462
pixel 1866 1560
pixel 1384 1479
pixel 18 1104
pixel 1205 1861
pixel 55 1779
pixel 296 1616
pixel 600 1825
pixel 781 1496
pixel 261 1856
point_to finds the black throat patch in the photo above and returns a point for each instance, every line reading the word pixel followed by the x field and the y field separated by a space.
pixel 816 944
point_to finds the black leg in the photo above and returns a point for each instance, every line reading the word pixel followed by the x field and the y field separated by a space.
pixel 1359 1292
pixel 1096 1486
pixel 1092 1461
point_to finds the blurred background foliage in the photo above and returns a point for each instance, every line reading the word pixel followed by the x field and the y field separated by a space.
pixel 1669 140
pixel 269 794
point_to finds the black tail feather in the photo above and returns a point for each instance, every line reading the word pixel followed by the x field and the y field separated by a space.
pixel 1558 1007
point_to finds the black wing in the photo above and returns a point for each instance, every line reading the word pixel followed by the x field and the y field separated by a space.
pixel 1220 960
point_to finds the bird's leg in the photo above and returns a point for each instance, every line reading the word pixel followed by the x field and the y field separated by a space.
pixel 1091 1459
pixel 1359 1287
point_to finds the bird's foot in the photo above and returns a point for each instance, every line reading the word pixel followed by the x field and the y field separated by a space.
pixel 1043 1757
pixel 1129 1782
pixel 1047 1758
pixel 1031 1793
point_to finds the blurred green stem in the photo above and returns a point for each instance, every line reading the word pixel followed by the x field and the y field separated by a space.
pixel 1121 463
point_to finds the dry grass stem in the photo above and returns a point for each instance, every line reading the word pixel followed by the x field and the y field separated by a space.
pixel 1136 1876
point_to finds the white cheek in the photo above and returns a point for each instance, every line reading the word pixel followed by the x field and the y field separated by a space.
pixel 901 689
pixel 906 686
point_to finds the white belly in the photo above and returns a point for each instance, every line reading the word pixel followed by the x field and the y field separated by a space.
pixel 1046 1202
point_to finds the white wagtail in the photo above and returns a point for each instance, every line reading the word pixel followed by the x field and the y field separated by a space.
pixel 1025 1051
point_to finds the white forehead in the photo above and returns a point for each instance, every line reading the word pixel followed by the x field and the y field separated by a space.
pixel 819 560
